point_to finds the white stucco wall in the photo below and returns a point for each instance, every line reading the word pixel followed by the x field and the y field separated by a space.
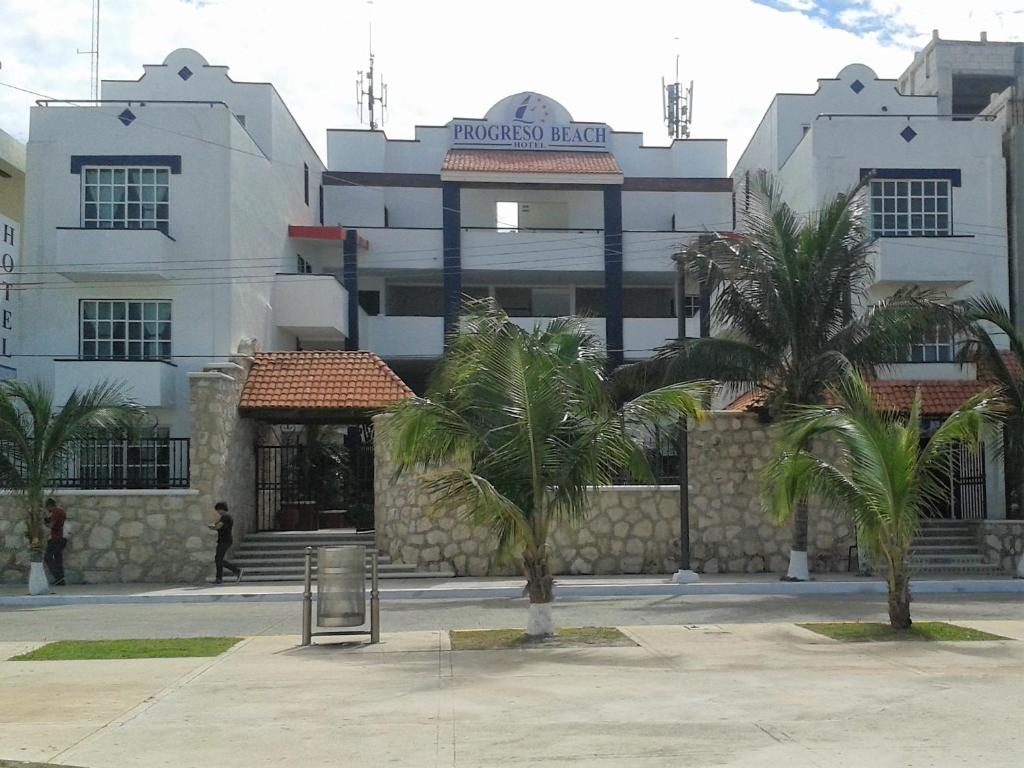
pixel 230 207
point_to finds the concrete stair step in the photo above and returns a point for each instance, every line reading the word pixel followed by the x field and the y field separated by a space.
pixel 299 568
pixel 285 562
pixel 943 549
pixel 287 577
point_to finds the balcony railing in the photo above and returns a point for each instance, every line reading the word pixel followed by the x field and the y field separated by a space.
pixel 139 464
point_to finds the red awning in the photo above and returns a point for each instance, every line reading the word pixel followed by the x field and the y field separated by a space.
pixel 301 232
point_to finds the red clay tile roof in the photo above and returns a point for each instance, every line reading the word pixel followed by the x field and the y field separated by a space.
pixel 537 161
pixel 938 398
pixel 350 381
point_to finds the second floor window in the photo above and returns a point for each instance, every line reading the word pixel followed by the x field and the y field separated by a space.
pixel 937 347
pixel 126 198
pixel 125 330
pixel 910 208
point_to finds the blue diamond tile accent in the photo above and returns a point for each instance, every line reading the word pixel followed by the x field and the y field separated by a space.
pixel 856 86
pixel 127 117
pixel 908 134
pixel 184 73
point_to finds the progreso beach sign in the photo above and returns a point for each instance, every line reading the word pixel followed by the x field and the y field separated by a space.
pixel 528 121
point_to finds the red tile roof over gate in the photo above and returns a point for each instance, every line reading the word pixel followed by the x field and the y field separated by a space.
pixel 938 398
pixel 535 161
pixel 344 381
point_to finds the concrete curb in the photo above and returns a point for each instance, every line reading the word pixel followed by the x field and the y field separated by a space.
pixel 573 590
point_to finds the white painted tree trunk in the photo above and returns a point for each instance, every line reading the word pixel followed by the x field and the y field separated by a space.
pixel 1020 567
pixel 540 622
pixel 798 567
pixel 37 581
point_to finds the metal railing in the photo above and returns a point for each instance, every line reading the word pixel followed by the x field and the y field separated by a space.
pixel 116 464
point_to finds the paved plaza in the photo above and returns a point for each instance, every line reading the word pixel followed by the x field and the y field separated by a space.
pixel 701 694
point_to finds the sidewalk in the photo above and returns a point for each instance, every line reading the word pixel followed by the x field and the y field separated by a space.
pixel 465 588
pixel 751 695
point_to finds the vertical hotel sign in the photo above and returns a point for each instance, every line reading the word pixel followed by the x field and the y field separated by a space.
pixel 8 262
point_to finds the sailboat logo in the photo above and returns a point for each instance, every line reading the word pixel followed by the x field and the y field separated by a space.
pixel 532 109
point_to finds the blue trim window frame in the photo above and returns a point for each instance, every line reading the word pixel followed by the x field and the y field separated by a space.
pixel 127 197
pixel 911 202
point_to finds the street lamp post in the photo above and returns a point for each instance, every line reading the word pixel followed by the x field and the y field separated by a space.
pixel 685 574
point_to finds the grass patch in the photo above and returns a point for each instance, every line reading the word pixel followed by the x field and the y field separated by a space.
pixel 862 632
pixel 174 648
pixel 569 637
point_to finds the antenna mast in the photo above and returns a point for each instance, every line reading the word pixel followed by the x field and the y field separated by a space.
pixel 367 93
pixel 94 53
pixel 677 106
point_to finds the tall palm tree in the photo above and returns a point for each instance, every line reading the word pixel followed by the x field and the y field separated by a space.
pixel 35 437
pixel 793 301
pixel 885 478
pixel 518 425
pixel 980 314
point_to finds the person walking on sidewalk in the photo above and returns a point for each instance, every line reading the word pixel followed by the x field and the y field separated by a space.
pixel 225 523
pixel 54 555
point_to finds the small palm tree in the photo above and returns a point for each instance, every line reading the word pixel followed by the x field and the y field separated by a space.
pixel 979 315
pixel 793 299
pixel 35 437
pixel 886 476
pixel 518 425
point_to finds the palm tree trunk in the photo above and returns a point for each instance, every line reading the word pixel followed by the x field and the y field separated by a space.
pixel 899 595
pixel 539 581
pixel 798 570
pixel 540 586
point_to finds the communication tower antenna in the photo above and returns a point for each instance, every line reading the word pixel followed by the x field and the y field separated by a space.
pixel 94 53
pixel 367 93
pixel 677 106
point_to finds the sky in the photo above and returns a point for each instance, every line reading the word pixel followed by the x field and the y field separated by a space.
pixel 604 61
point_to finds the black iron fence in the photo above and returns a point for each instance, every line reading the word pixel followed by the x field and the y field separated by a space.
pixel 137 464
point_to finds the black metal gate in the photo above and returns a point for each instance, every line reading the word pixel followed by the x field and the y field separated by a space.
pixel 300 487
pixel 969 500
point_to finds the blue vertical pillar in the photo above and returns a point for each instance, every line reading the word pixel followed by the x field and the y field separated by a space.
pixel 613 274
pixel 451 221
pixel 350 278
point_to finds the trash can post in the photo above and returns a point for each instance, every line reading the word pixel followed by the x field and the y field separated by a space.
pixel 374 602
pixel 307 600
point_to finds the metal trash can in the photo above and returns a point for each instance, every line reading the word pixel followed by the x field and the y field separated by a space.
pixel 341 586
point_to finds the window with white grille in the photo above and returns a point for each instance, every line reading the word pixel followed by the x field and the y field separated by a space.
pixel 125 330
pixel 910 208
pixel 937 347
pixel 126 198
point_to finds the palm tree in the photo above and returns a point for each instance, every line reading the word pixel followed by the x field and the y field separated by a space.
pixel 885 478
pixel 518 425
pixel 980 346
pixel 35 437
pixel 793 299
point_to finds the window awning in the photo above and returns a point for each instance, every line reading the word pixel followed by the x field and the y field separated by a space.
pixel 301 232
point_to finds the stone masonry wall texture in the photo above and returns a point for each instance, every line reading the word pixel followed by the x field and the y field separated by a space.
pixel 630 529
pixel 155 536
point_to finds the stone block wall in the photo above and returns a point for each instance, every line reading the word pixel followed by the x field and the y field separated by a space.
pixel 629 529
pixel 160 535
pixel 729 531
pixel 118 536
pixel 1002 542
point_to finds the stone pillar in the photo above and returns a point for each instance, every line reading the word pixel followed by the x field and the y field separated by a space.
pixel 223 443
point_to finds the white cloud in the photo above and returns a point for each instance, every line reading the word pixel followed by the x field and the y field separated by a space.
pixel 457 57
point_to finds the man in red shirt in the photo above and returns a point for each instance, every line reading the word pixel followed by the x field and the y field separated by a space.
pixel 54 557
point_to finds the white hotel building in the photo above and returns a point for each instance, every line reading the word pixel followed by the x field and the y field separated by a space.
pixel 186 212
pixel 938 209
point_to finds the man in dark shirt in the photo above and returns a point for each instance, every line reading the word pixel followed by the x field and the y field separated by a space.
pixel 54 555
pixel 225 523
